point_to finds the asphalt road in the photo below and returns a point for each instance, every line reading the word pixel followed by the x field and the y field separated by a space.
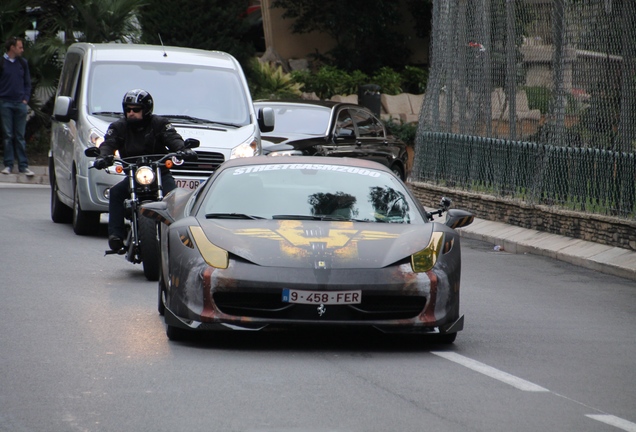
pixel 547 346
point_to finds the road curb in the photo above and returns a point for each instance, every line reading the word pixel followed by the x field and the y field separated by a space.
pixel 41 176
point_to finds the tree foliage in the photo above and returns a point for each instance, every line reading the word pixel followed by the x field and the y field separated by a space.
pixel 203 24
pixel 367 32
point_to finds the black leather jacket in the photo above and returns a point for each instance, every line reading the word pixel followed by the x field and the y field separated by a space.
pixel 154 135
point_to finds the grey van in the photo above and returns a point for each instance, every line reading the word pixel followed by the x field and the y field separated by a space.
pixel 203 93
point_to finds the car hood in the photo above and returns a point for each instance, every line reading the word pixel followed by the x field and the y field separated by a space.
pixel 101 122
pixel 215 138
pixel 318 244
pixel 212 137
pixel 291 142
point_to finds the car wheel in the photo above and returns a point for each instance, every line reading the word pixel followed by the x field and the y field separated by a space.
pixel 150 247
pixel 60 212
pixel 84 222
pixel 161 292
pixel 398 171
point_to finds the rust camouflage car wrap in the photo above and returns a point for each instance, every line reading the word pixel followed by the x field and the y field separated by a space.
pixel 231 274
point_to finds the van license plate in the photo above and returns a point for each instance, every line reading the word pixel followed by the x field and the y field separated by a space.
pixel 190 184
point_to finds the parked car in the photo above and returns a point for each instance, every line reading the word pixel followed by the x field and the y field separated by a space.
pixel 203 93
pixel 297 240
pixel 325 128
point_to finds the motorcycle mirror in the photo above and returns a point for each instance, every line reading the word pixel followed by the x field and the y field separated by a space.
pixel 192 143
pixel 91 152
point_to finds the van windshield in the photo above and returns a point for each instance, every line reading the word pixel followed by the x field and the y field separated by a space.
pixel 211 94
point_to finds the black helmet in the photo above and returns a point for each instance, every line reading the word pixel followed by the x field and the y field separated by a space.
pixel 138 97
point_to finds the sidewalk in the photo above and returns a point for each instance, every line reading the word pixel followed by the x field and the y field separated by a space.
pixel 41 176
pixel 512 239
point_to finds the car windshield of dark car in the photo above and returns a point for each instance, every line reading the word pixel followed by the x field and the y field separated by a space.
pixel 309 192
pixel 178 90
pixel 294 119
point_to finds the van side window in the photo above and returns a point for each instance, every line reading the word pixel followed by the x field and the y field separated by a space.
pixel 69 74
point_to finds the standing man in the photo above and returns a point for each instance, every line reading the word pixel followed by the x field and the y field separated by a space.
pixel 15 90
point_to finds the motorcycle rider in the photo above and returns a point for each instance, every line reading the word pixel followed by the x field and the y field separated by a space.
pixel 139 133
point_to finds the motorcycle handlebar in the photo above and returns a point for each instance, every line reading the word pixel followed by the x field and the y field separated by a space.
pixel 127 165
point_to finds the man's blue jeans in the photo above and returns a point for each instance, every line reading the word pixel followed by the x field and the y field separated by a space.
pixel 14 115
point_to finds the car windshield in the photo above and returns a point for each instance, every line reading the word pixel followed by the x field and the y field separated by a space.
pixel 310 120
pixel 185 91
pixel 309 192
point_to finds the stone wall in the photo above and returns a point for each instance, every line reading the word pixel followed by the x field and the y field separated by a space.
pixel 595 228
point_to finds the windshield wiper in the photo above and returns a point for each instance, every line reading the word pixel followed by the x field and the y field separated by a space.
pixel 318 217
pixel 109 113
pixel 199 120
pixel 231 216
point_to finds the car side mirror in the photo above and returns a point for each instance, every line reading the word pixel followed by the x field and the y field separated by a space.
pixel 266 119
pixel 157 210
pixel 64 109
pixel 458 218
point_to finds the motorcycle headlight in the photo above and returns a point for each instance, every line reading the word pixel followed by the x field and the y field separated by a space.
pixel 249 148
pixel 144 175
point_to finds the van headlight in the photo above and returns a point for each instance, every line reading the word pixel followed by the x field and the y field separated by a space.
pixel 249 148
pixel 144 175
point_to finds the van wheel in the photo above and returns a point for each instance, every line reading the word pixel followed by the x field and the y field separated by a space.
pixel 60 212
pixel 84 222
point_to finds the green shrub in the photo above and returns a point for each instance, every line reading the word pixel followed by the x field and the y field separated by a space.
pixel 414 79
pixel 270 82
pixel 389 80
pixel 403 131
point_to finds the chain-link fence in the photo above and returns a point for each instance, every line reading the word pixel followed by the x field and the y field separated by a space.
pixel 533 100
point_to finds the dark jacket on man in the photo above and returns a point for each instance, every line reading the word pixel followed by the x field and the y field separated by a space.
pixel 155 135
pixel 15 82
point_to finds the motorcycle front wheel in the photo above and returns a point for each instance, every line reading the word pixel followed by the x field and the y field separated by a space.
pixel 149 247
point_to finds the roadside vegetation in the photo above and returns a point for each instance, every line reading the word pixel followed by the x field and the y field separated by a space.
pixel 51 26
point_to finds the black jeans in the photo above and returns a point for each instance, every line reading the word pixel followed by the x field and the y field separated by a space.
pixel 118 195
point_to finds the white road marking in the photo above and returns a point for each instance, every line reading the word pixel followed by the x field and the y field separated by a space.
pixel 482 368
pixel 614 421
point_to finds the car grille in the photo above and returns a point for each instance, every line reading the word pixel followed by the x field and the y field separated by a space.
pixel 269 305
pixel 207 163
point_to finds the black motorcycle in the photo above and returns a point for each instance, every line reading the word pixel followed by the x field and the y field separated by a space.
pixel 144 175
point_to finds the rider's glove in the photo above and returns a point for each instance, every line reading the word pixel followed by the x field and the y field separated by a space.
pixel 187 155
pixel 100 163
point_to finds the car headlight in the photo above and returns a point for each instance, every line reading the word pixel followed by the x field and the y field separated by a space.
pixel 212 254
pixel 248 149
pixel 144 175
pixel 425 259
